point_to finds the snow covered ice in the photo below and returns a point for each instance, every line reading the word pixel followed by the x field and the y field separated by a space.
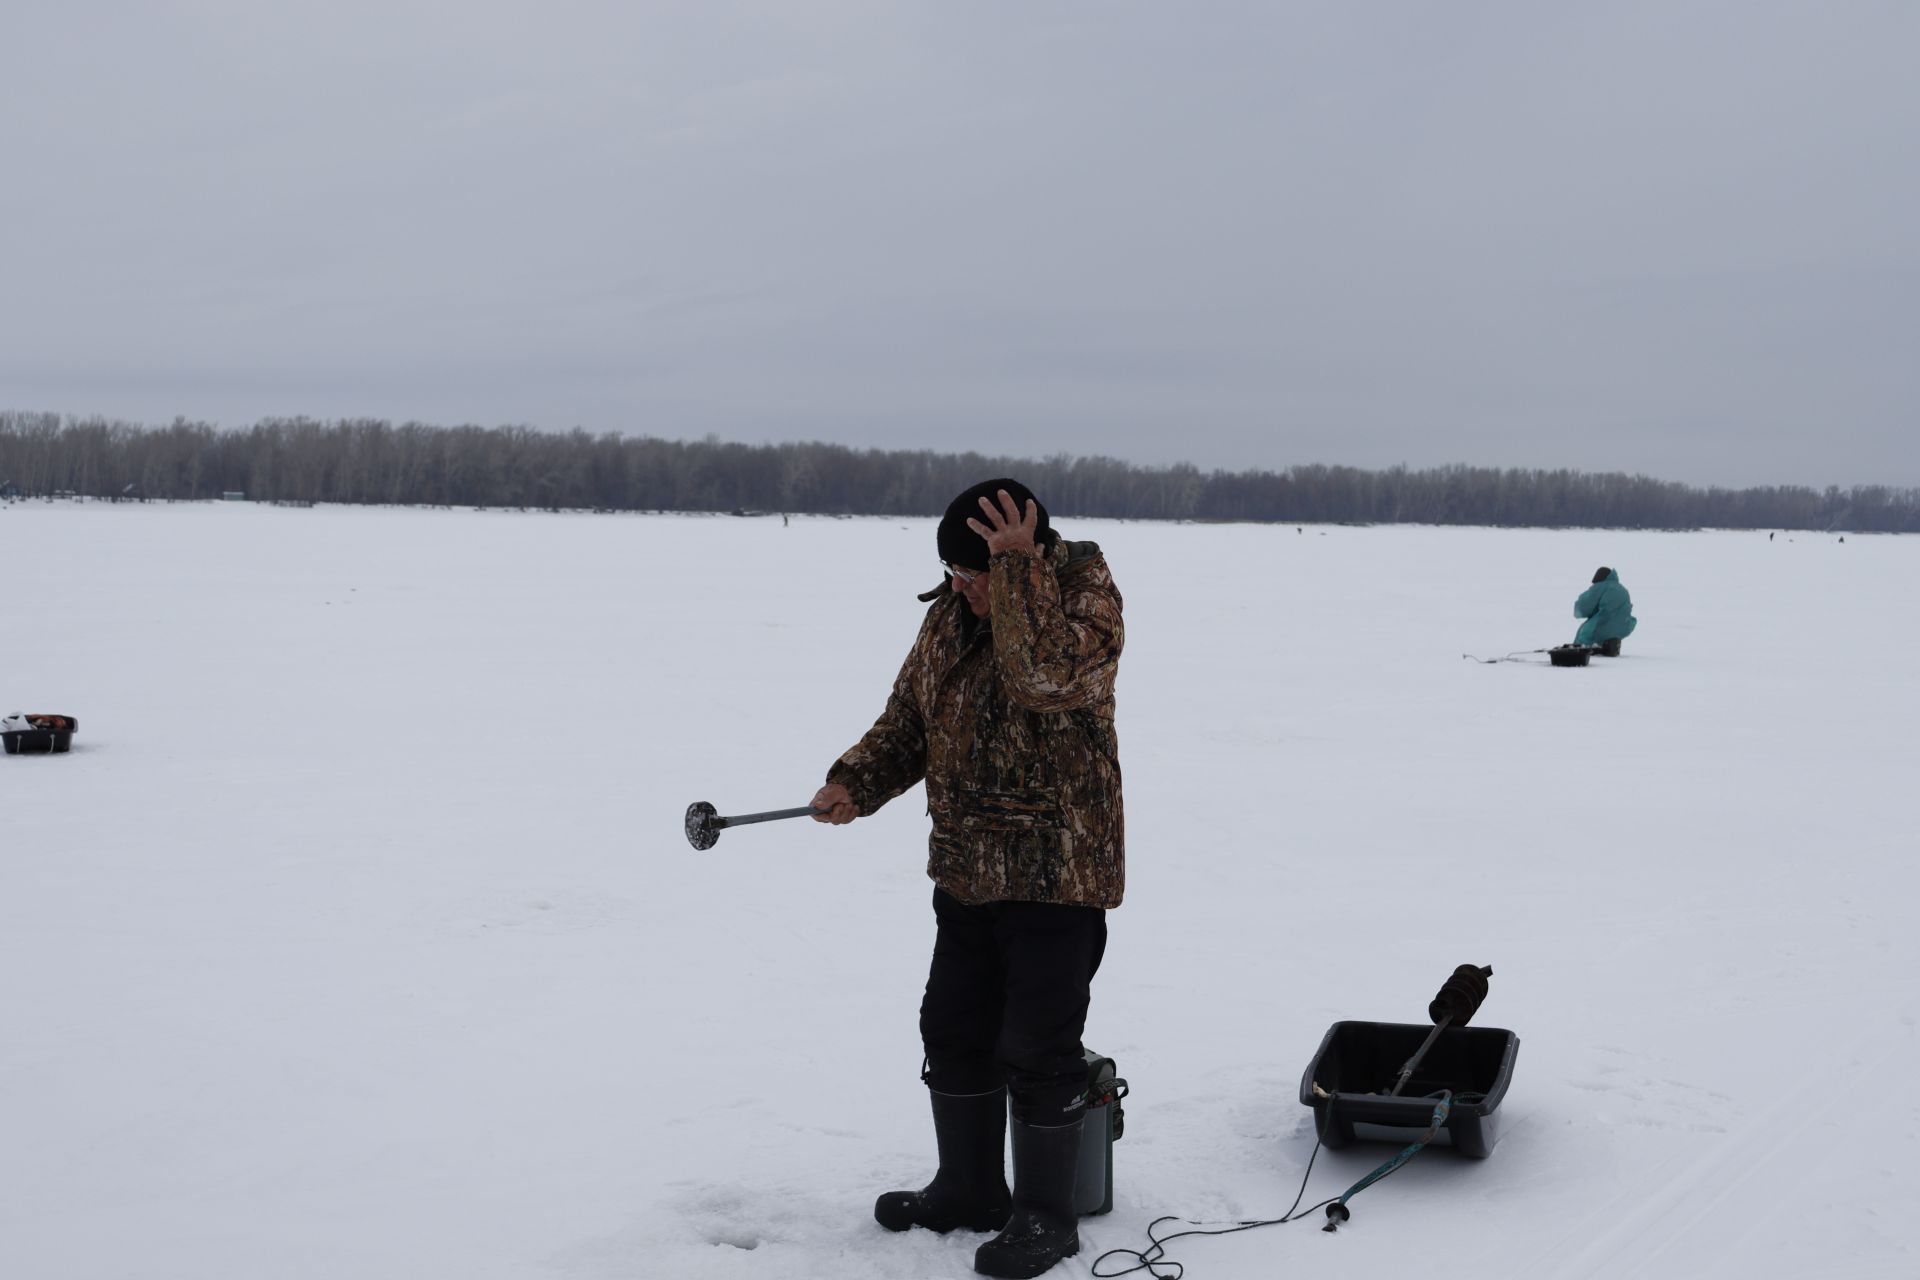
pixel 358 935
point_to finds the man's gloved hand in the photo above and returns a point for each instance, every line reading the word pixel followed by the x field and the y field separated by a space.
pixel 837 806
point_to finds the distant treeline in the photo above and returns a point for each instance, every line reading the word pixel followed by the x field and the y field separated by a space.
pixel 363 461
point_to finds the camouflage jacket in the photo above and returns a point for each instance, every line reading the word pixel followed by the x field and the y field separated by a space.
pixel 1009 719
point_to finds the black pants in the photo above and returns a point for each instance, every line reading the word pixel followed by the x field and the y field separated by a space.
pixel 1007 1000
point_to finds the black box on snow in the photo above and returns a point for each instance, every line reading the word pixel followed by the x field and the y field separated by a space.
pixel 49 735
pixel 1357 1064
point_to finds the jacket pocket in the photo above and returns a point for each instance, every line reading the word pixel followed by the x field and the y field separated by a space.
pixel 1025 809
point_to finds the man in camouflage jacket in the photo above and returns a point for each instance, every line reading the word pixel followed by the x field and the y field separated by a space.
pixel 1005 708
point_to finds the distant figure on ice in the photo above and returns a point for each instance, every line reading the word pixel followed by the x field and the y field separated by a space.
pixel 1607 608
pixel 1004 707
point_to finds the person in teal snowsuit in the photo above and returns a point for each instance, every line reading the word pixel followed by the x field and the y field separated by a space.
pixel 1607 608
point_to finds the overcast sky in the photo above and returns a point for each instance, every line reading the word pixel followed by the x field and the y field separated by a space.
pixel 1679 238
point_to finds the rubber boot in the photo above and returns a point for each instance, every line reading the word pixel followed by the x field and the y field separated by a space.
pixel 970 1189
pixel 1045 1226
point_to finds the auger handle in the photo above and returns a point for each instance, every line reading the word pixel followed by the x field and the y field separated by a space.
pixel 772 815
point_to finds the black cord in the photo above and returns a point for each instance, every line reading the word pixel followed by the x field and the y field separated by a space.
pixel 1155 1256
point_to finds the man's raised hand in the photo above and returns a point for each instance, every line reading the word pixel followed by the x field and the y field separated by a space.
pixel 1005 528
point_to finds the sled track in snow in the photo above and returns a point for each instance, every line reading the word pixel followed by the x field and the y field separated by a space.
pixel 1634 1229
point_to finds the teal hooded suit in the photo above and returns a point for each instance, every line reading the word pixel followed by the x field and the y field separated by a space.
pixel 1608 611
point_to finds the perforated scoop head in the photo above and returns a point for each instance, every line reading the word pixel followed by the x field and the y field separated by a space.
pixel 702 831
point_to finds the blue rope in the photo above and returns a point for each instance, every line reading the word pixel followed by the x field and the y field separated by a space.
pixel 1337 1212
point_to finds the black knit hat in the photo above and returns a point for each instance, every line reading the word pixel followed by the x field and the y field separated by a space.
pixel 1600 574
pixel 961 545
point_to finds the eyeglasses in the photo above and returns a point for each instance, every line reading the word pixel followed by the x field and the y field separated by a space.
pixel 963 576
